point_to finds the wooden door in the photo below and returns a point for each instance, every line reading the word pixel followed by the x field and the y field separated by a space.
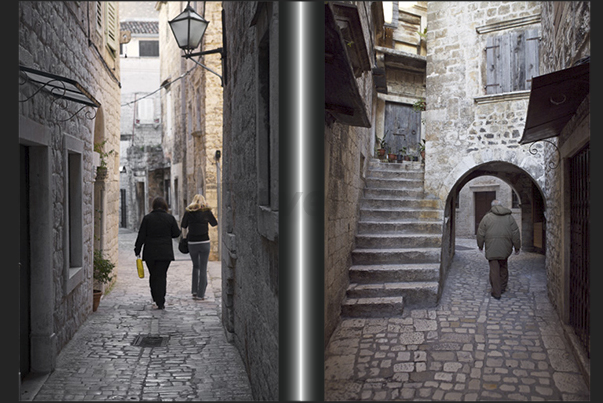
pixel 402 127
pixel 483 202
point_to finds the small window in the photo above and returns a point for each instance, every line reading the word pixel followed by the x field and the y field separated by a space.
pixel 148 48
pixel 514 200
pixel 511 61
pixel 145 111
pixel 263 122
pixel 74 207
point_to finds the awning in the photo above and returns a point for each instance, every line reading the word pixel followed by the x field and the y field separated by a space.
pixel 554 99
pixel 60 87
pixel 343 99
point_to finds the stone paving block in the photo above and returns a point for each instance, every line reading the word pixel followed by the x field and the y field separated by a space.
pixel 470 347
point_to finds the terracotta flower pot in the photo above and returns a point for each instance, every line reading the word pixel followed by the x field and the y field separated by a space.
pixel 96 297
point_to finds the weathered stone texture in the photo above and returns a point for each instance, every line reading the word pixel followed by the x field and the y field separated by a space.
pixel 55 37
pixel 479 130
pixel 249 250
pixel 563 43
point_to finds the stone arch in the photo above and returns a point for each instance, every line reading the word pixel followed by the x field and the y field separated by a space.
pixel 532 202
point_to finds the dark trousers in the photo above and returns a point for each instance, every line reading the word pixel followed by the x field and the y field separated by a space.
pixel 199 255
pixel 158 280
pixel 499 276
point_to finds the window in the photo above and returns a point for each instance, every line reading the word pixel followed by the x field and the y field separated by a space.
pixel 263 122
pixel 106 24
pixel 148 48
pixel 145 111
pixel 111 26
pixel 514 200
pixel 73 209
pixel 511 61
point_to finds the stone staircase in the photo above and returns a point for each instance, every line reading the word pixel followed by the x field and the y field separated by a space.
pixel 396 261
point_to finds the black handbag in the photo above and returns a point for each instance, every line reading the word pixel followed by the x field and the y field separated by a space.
pixel 183 244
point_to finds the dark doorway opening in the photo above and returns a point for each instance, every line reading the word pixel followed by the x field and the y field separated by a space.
pixel 483 201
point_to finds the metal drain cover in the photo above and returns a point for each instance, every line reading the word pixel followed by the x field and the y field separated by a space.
pixel 150 341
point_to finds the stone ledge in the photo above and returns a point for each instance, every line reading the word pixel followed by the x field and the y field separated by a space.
pixel 505 96
pixel 514 23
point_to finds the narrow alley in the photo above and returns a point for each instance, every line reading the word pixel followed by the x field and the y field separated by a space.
pixel 196 363
pixel 470 347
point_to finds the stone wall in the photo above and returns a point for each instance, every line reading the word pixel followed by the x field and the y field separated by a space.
pixel 459 116
pixel 204 122
pixel 347 150
pixel 250 236
pixel 61 38
pixel 565 40
pixel 465 213
pixel 173 97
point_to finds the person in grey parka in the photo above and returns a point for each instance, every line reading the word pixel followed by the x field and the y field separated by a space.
pixel 499 231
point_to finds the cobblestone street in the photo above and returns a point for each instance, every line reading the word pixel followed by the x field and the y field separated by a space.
pixel 470 347
pixel 198 363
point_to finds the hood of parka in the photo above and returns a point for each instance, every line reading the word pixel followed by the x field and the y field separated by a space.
pixel 500 210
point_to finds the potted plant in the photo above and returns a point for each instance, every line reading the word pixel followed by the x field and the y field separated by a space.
pixel 382 147
pixel 101 170
pixel 422 149
pixel 101 274
pixel 391 157
pixel 401 154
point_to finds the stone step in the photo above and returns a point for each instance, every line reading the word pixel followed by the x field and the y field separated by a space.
pixel 395 173
pixel 415 293
pixel 395 256
pixel 400 214
pixel 400 227
pixel 384 193
pixel 393 183
pixel 398 241
pixel 389 203
pixel 375 164
pixel 365 274
pixel 372 307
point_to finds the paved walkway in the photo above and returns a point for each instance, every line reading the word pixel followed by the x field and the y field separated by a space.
pixel 198 363
pixel 470 347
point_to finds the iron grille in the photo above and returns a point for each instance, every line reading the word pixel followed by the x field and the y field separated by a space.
pixel 579 304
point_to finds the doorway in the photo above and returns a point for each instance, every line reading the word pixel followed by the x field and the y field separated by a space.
pixel 24 264
pixel 402 128
pixel 483 202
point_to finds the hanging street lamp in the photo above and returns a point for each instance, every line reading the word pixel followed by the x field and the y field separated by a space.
pixel 188 29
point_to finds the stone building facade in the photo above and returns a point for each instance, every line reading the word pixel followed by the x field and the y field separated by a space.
pixel 475 199
pixel 192 115
pixel 349 138
pixel 565 54
pixel 67 210
pixel 250 190
pixel 476 103
pixel 143 174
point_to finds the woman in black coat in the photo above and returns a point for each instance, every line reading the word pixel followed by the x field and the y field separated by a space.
pixel 196 220
pixel 156 232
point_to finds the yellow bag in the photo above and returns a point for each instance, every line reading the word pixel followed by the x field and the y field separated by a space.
pixel 140 268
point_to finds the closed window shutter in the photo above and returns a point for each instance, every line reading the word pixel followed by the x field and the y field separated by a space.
pixel 492 65
pixel 511 61
pixel 111 25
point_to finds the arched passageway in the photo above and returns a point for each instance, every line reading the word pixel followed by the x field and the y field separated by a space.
pixel 531 202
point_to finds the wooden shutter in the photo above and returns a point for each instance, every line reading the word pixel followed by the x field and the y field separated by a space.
pixel 111 25
pixel 493 69
pixel 532 56
pixel 511 61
